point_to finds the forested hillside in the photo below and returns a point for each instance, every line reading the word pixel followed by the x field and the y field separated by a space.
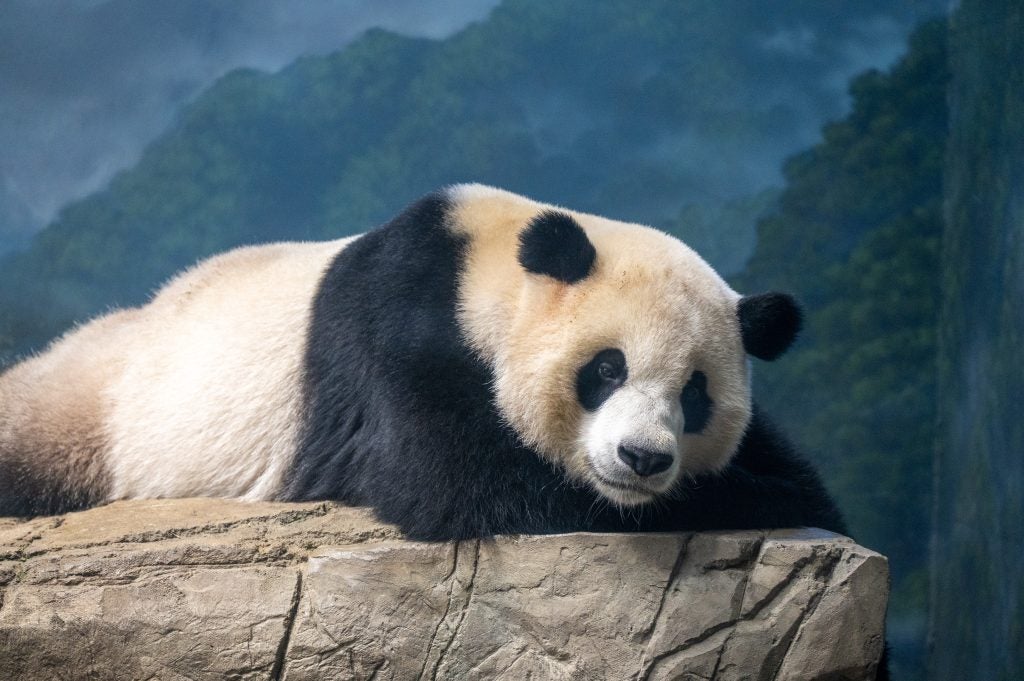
pixel 677 114
pixel 856 236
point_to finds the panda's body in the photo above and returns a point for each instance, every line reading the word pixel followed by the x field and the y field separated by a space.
pixel 482 364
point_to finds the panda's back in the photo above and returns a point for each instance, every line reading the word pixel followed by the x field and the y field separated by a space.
pixel 194 393
pixel 209 400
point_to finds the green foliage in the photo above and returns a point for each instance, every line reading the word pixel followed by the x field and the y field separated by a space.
pixel 856 237
pixel 624 109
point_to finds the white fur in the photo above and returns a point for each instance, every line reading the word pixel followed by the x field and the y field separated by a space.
pixel 643 415
pixel 208 400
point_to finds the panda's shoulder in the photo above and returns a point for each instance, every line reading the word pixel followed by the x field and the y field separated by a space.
pixel 272 265
pixel 765 450
pixel 768 454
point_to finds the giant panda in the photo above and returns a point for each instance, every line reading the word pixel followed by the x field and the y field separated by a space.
pixel 482 364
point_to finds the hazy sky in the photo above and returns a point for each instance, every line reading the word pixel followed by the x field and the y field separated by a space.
pixel 85 84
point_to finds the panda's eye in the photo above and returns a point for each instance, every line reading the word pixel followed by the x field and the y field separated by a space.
pixel 600 377
pixel 696 403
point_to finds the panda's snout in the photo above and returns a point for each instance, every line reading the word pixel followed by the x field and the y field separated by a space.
pixel 645 462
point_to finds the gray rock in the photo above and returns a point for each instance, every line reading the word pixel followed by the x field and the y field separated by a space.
pixel 212 589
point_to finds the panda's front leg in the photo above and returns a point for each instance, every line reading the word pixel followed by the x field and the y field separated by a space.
pixel 737 499
pixel 767 485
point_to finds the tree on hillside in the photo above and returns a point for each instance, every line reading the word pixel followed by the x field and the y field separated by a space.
pixel 856 237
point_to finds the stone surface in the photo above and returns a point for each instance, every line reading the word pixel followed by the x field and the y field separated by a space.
pixel 212 589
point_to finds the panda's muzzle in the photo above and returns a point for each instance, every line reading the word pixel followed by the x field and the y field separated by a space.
pixel 645 462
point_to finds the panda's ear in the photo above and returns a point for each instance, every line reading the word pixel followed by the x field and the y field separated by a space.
pixel 555 245
pixel 769 323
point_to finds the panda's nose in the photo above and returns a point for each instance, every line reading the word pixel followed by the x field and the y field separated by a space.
pixel 644 462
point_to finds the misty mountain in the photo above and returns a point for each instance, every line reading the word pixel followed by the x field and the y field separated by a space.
pixel 16 223
pixel 667 113
pixel 87 83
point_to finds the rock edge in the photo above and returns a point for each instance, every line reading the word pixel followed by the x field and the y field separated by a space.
pixel 215 589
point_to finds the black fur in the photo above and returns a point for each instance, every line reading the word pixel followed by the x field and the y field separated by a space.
pixel 697 404
pixel 53 478
pixel 769 323
pixel 555 245
pixel 593 387
pixel 25 493
pixel 400 414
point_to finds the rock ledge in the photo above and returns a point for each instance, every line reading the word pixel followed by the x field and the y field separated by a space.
pixel 213 589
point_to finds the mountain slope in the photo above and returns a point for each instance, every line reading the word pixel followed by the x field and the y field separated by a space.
pixel 650 112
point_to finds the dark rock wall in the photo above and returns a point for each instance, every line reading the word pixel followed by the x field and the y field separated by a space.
pixel 977 618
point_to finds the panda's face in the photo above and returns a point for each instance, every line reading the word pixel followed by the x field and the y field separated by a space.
pixel 658 379
pixel 617 352
pixel 635 432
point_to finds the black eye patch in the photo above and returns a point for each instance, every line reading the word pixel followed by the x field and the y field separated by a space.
pixel 600 377
pixel 696 403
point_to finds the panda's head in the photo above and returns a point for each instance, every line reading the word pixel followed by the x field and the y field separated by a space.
pixel 617 352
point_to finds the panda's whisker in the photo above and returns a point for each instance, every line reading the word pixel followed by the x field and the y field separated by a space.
pixel 558 481
pixel 597 506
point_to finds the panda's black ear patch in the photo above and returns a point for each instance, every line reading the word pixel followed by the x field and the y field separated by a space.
pixel 769 323
pixel 555 245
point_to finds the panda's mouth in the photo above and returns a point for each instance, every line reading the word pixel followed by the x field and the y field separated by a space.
pixel 620 485
pixel 622 492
